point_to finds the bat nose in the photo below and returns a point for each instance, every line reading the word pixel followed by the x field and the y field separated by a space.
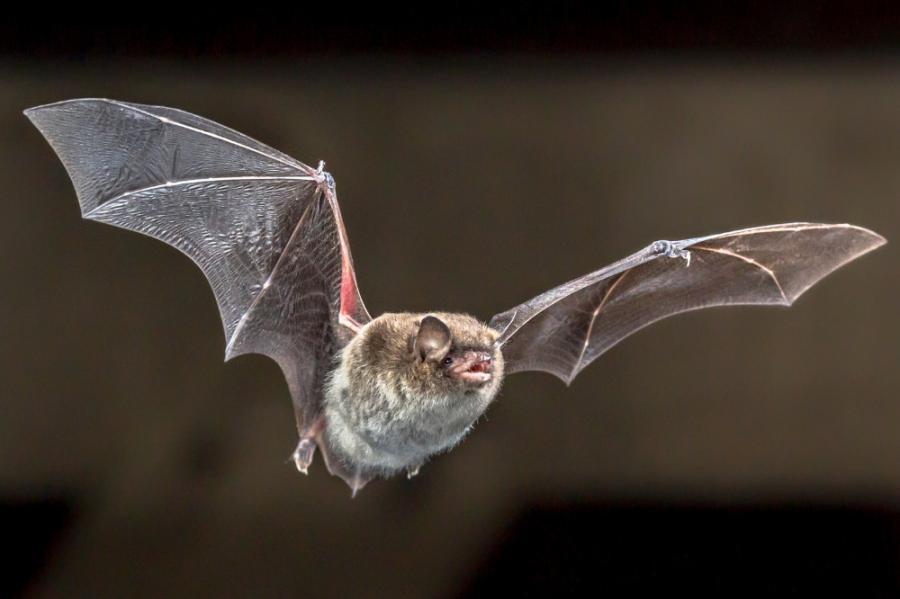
pixel 480 357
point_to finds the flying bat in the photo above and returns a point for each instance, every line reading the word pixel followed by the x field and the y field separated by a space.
pixel 379 396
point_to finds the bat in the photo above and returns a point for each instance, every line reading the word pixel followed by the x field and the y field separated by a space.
pixel 380 396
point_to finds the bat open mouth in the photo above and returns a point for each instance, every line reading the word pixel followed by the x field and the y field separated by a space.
pixel 475 369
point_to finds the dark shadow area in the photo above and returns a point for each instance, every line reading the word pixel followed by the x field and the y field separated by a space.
pixel 757 550
pixel 31 529
pixel 614 28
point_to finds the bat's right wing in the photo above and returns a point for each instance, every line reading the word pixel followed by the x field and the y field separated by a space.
pixel 264 228
pixel 565 329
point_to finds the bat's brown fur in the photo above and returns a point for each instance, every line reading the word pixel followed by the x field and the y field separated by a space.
pixel 388 409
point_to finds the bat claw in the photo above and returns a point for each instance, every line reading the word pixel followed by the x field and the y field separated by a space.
pixel 412 471
pixel 666 248
pixel 324 176
pixel 303 455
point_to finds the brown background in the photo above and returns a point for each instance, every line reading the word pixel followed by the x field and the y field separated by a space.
pixel 470 185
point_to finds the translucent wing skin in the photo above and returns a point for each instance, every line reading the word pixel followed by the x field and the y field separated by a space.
pixel 264 228
pixel 565 329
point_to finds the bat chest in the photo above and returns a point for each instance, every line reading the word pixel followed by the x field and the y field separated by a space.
pixel 382 428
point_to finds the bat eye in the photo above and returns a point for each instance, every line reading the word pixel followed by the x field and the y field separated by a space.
pixel 447 361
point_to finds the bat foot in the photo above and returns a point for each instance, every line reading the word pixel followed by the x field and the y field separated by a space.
pixel 303 455
pixel 412 471
pixel 666 248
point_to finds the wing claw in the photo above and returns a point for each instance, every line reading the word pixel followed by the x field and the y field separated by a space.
pixel 670 249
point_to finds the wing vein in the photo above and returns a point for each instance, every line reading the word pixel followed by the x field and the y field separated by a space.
pixel 590 330
pixel 240 325
pixel 792 227
pixel 169 121
pixel 640 257
pixel 750 261
pixel 193 181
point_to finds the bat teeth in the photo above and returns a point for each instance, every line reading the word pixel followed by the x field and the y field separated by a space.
pixel 483 363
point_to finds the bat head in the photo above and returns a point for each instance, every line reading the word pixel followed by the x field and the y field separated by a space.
pixel 444 361
pixel 456 351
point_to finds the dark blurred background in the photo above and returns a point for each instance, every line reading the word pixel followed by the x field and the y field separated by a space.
pixel 480 159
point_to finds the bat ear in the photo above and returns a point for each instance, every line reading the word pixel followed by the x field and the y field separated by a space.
pixel 433 339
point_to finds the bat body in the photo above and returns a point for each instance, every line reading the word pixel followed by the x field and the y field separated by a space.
pixel 406 387
pixel 380 396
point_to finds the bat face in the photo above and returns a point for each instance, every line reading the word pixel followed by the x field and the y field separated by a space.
pixel 380 396
pixel 453 355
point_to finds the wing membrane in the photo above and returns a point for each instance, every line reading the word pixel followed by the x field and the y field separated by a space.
pixel 565 329
pixel 264 228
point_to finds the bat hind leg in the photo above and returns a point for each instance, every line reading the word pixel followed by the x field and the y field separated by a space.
pixel 303 455
pixel 306 448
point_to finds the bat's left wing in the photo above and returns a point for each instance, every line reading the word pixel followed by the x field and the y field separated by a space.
pixel 565 329
pixel 265 229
